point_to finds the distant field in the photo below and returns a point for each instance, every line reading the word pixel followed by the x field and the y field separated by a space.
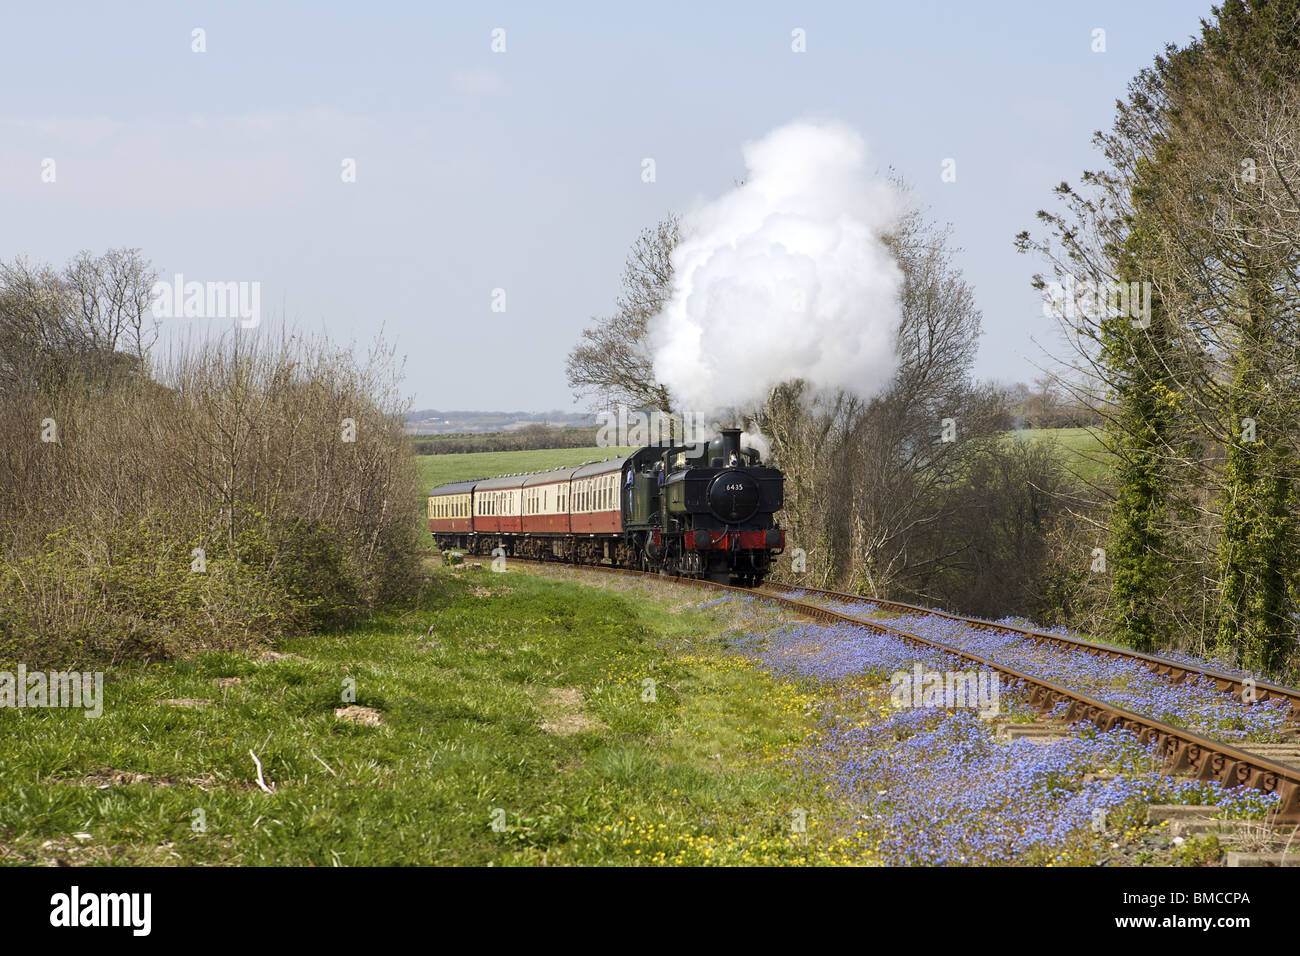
pixel 1081 449
pixel 439 469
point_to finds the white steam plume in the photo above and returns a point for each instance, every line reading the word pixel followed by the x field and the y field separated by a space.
pixel 784 277
pixel 753 437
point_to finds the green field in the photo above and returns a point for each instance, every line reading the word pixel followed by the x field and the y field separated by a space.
pixel 1081 449
pixel 439 469
pixel 516 720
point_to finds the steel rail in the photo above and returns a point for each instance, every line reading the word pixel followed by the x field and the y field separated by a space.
pixel 1176 671
pixel 1184 751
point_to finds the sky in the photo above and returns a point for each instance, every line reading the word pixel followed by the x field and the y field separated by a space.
pixel 515 177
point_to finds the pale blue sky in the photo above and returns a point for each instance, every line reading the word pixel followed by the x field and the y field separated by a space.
pixel 522 170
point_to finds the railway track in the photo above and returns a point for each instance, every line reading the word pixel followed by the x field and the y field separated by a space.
pixel 1184 751
pixel 1174 670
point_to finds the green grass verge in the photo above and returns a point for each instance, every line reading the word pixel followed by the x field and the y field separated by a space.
pixel 506 698
pixel 439 469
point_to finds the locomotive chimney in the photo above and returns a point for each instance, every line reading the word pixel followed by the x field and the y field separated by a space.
pixel 730 445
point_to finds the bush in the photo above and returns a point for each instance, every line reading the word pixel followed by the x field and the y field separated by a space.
pixel 253 486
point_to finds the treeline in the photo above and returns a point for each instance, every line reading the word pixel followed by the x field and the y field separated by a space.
pixel 1198 544
pixel 528 438
pixel 1047 406
pixel 228 492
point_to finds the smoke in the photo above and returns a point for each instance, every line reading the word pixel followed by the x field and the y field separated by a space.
pixel 784 277
pixel 753 437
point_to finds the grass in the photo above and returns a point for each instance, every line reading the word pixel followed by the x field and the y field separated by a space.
pixel 463 769
pixel 440 469
pixel 1080 448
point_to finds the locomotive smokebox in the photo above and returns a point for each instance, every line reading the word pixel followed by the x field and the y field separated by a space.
pixel 730 445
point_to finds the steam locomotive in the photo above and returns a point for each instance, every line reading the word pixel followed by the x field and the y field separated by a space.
pixel 700 510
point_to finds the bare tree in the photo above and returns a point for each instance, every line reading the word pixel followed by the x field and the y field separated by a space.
pixel 111 295
pixel 868 478
pixel 612 363
pixel 89 321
